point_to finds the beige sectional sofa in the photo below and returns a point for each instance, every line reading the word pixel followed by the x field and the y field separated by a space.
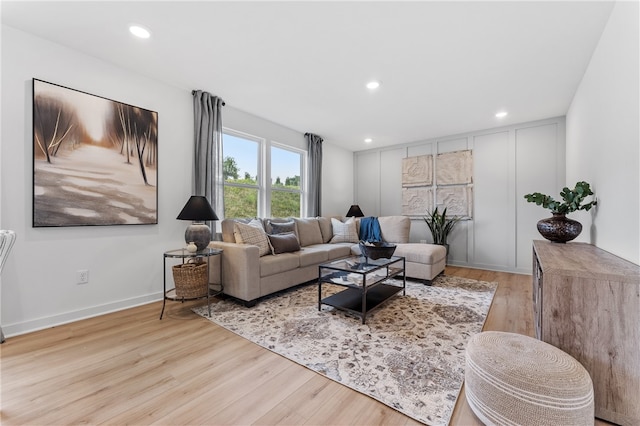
pixel 249 272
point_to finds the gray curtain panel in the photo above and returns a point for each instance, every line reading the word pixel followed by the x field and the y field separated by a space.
pixel 7 238
pixel 314 203
pixel 208 149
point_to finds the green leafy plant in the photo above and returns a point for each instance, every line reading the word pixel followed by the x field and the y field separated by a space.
pixel 573 199
pixel 440 225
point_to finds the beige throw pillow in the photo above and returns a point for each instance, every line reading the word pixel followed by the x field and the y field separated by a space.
pixel 248 234
pixel 344 232
pixel 308 231
pixel 395 229
pixel 325 228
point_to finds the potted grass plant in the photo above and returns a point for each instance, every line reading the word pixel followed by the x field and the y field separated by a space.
pixel 440 226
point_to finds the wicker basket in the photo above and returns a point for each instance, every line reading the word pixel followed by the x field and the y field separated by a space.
pixel 191 280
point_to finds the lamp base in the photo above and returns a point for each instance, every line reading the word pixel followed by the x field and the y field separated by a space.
pixel 198 233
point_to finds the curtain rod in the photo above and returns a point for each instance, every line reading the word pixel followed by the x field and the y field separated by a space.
pixel 194 91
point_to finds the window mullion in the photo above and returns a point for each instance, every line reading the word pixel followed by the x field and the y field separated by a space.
pixel 303 185
pixel 265 183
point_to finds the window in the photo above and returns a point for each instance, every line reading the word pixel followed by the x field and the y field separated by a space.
pixel 245 191
pixel 286 193
pixel 241 175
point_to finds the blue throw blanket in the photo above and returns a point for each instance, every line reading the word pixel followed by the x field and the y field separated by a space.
pixel 370 229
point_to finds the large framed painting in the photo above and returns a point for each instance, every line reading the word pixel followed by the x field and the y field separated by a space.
pixel 95 160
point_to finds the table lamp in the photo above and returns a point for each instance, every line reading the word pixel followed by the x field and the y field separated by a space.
pixel 354 211
pixel 198 210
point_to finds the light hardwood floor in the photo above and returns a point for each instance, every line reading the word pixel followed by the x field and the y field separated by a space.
pixel 129 367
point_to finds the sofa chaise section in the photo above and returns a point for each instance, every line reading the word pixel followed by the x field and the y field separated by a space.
pixel 423 262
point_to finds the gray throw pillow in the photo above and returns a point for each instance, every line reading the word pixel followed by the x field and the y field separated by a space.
pixel 284 243
pixel 283 227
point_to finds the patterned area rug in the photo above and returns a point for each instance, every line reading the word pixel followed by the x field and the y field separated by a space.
pixel 409 355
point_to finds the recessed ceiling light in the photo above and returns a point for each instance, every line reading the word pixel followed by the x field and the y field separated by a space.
pixel 368 140
pixel 501 114
pixel 373 85
pixel 139 31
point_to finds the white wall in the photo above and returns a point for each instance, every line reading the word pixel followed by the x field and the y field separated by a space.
pixel 38 287
pixel 508 163
pixel 125 262
pixel 257 126
pixel 603 136
pixel 337 179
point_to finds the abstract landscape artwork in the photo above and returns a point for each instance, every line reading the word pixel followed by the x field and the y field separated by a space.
pixel 94 160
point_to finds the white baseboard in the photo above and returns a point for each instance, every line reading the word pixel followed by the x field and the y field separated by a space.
pixel 30 326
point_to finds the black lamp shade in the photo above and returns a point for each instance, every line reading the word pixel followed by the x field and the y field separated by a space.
pixel 354 211
pixel 197 209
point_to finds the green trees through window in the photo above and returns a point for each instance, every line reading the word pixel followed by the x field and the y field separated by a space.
pixel 285 198
pixel 244 193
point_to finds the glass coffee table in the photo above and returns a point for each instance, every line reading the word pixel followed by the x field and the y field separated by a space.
pixel 366 283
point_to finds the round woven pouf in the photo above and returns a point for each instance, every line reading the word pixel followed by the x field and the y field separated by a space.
pixel 511 379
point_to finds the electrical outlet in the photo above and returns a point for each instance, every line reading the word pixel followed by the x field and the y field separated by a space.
pixel 82 276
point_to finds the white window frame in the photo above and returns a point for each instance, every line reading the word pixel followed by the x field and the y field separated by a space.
pixel 303 177
pixel 264 172
pixel 261 143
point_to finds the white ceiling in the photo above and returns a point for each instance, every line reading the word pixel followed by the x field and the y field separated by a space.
pixel 445 67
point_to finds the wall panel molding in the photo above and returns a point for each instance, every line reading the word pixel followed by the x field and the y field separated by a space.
pixel 508 162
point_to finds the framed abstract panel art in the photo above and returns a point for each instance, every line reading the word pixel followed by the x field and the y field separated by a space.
pixel 94 160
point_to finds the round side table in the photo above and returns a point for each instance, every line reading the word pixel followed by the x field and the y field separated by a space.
pixel 186 255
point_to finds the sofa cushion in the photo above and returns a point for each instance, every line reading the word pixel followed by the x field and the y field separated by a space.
pixel 250 234
pixel 344 232
pixel 428 254
pixel 325 228
pixel 334 250
pixel 308 231
pixel 395 229
pixel 284 243
pixel 313 256
pixel 284 262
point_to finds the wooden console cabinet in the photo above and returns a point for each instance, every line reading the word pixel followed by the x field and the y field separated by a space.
pixel 587 303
